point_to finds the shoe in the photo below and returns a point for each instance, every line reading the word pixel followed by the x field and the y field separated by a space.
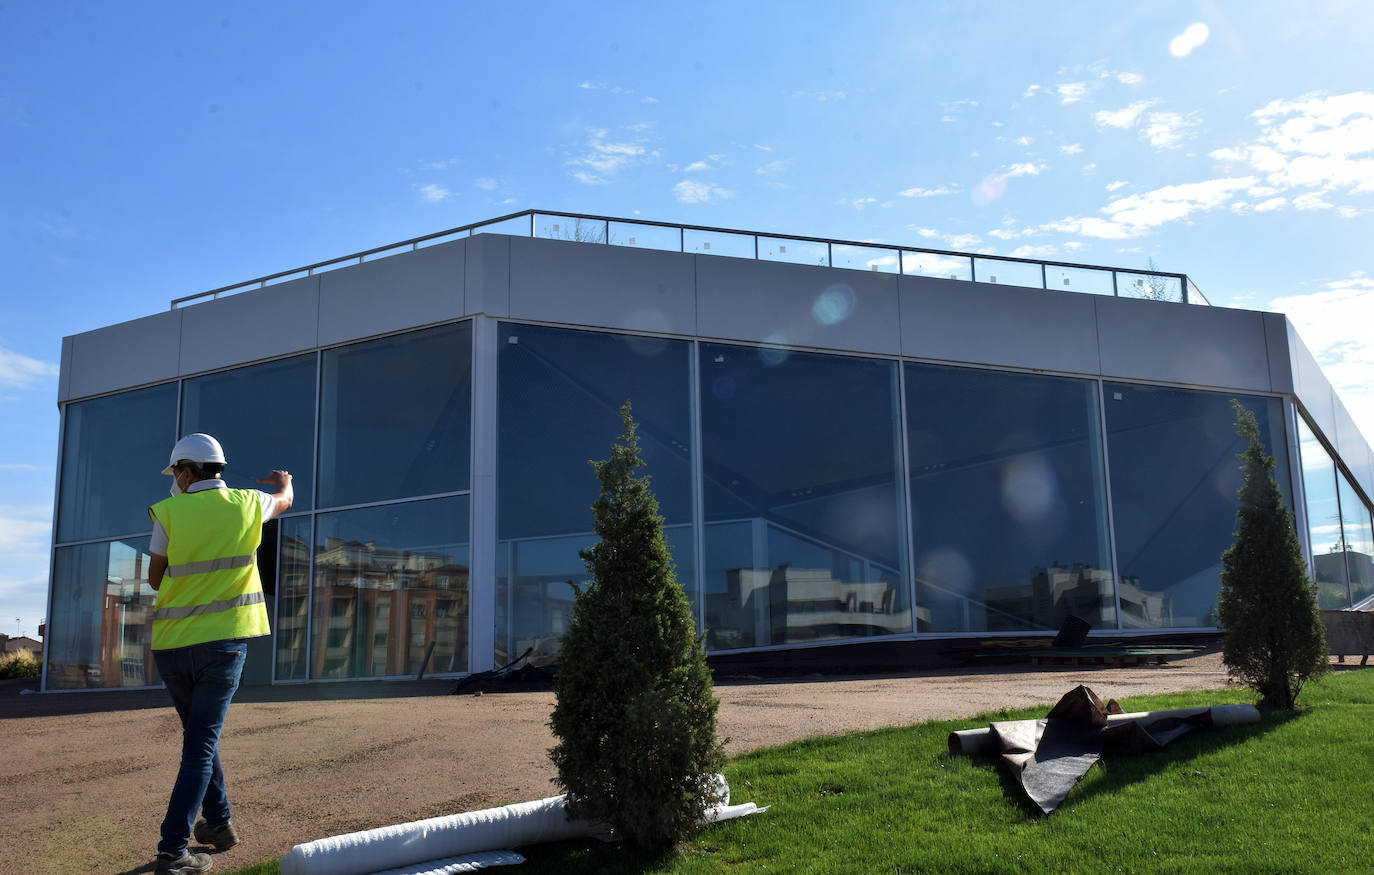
pixel 187 864
pixel 221 838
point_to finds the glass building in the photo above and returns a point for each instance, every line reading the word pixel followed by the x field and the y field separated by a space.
pixel 849 443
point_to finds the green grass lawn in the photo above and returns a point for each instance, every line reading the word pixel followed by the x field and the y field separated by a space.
pixel 1294 793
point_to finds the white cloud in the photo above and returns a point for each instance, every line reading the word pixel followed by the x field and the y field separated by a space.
pixel 952 241
pixel 17 466
pixel 917 191
pixel 1120 183
pixel 24 529
pixel 1317 141
pixel 1167 130
pixel 1071 149
pixel 1034 90
pixel 695 166
pixel 691 192
pixel 1071 92
pixel 858 203
pixel 994 185
pixel 1352 212
pixel 1193 36
pixel 605 157
pixel 1131 79
pixel 1334 324
pixel 1270 205
pixel 648 100
pixel 1046 251
pixel 772 168
pixel 18 371
pixel 1122 118
pixel 434 193
pixel 486 184
pixel 819 96
pixel 1025 168
pixel 1009 234
pixel 1024 141
pixel 1138 214
pixel 1311 201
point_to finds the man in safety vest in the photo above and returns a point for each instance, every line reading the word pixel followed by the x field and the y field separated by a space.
pixel 209 601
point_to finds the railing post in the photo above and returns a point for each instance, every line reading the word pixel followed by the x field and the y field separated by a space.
pixel 1116 293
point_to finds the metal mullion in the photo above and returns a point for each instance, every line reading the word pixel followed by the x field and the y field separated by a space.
pixel 698 487
pixel 1107 491
pixel 314 505
pixel 908 508
pixel 408 499
pixel 1298 478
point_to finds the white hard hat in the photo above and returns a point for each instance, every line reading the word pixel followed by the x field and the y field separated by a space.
pixel 195 448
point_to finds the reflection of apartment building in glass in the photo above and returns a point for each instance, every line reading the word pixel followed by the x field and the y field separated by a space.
pixel 848 443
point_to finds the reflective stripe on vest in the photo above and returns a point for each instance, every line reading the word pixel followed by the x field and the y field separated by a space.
pixel 211 590
pixel 248 598
pixel 208 565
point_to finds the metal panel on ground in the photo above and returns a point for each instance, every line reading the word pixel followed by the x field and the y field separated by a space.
pixel 797 304
pixel 401 291
pixel 1182 343
pixel 983 323
pixel 605 286
pixel 258 324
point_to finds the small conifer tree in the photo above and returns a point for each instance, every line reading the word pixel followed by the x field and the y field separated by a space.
pixel 1273 638
pixel 635 714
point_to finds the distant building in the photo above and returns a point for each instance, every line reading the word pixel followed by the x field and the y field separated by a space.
pixel 18 643
pixel 849 442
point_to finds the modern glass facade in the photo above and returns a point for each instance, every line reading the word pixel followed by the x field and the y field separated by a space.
pixel 812 492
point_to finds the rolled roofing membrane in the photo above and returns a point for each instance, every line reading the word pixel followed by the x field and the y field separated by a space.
pixel 459 842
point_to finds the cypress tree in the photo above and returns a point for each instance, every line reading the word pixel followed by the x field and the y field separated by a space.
pixel 1273 638
pixel 635 714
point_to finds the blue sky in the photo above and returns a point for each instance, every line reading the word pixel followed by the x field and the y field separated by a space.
pixel 152 150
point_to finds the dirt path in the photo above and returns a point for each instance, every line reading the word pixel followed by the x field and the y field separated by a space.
pixel 85 776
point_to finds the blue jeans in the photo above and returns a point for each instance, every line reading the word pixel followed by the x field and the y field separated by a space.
pixel 201 680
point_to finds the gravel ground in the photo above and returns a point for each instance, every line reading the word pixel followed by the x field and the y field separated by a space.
pixel 85 776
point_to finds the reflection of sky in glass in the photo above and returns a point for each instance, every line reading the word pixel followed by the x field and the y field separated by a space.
pixel 930 264
pixel 1355 520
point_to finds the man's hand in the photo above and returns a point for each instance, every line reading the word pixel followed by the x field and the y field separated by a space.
pixel 285 493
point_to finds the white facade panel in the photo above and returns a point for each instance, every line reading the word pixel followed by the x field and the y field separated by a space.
pixel 249 326
pixel 1351 445
pixel 605 286
pixel 1182 343
pixel 775 302
pixel 128 354
pixel 983 323
pixel 1280 359
pixel 486 286
pixel 391 294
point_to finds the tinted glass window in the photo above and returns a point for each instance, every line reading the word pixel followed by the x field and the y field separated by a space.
pixel 804 524
pixel 293 595
pixel 388 581
pixel 1174 478
pixel 394 417
pixel 1009 519
pixel 112 451
pixel 263 416
pixel 1359 542
pixel 100 631
pixel 560 394
pixel 1323 521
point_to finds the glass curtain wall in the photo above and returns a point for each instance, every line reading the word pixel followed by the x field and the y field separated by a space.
pixel 289 630
pixel 802 499
pixel 390 579
pixel 100 621
pixel 1323 521
pixel 1358 542
pixel 1009 501
pixel 264 417
pixel 559 396
pixel 1174 479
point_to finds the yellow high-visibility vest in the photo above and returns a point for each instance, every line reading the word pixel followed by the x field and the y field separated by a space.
pixel 211 591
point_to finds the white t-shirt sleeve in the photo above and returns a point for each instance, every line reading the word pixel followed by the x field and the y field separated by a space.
pixel 158 542
pixel 269 504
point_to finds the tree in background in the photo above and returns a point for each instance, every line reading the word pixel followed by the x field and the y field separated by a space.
pixel 1273 638
pixel 635 714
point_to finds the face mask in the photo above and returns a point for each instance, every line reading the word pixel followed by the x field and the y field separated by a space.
pixel 176 487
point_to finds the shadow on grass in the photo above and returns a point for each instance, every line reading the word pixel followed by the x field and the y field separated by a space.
pixel 592 856
pixel 1126 769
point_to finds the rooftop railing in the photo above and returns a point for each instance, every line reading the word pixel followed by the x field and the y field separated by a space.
pixel 821 251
